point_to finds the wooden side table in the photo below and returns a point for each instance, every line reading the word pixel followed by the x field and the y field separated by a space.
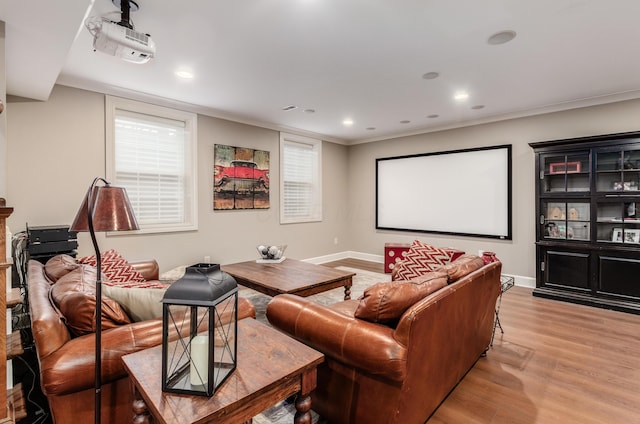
pixel 270 367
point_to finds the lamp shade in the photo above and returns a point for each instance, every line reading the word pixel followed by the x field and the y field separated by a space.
pixel 111 210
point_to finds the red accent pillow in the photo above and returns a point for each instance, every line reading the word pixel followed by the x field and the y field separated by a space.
pixel 115 268
pixel 422 258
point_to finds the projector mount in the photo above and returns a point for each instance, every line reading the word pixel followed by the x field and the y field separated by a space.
pixel 126 6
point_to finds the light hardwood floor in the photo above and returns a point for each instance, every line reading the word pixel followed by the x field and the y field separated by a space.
pixel 555 363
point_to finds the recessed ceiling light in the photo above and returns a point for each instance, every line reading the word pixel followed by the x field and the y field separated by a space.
pixel 184 74
pixel 476 107
pixel 431 75
pixel 405 122
pixel 347 122
pixel 309 111
pixel 370 128
pixel 461 95
pixel 432 116
pixel 501 37
pixel 290 107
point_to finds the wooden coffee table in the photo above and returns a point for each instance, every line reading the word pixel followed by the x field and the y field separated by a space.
pixel 270 367
pixel 290 276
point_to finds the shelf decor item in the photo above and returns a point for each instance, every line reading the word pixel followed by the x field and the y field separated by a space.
pixel 199 327
pixel 565 168
pixel 104 208
pixel 574 215
pixel 632 236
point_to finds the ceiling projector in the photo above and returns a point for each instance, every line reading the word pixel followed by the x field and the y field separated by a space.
pixel 125 43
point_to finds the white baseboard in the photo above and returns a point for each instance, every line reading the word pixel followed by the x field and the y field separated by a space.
pixel 347 254
pixel 519 280
pixel 522 281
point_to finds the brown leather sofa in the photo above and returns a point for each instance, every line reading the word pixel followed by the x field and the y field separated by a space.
pixel 398 372
pixel 67 360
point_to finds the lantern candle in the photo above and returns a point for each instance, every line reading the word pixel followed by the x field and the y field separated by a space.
pixel 198 368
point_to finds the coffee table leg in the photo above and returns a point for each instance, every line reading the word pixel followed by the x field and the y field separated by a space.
pixel 303 400
pixel 303 408
pixel 347 289
pixel 140 410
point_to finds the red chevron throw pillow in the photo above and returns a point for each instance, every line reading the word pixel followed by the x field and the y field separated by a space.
pixel 115 268
pixel 422 258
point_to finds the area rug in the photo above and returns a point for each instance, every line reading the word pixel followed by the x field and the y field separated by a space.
pixel 283 412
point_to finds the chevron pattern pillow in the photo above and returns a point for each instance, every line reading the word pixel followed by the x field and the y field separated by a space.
pixel 422 258
pixel 115 268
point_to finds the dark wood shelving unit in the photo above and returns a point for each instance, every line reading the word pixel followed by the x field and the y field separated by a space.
pixel 588 220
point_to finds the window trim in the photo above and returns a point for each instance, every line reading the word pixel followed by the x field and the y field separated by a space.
pixel 112 104
pixel 316 145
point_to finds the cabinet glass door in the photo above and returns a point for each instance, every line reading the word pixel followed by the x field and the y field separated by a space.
pixel 618 171
pixel 565 173
pixel 619 221
pixel 566 220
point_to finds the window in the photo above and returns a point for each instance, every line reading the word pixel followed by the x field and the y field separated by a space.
pixel 151 152
pixel 301 179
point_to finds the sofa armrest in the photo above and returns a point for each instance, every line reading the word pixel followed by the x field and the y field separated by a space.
pixel 148 268
pixel 361 344
pixel 71 369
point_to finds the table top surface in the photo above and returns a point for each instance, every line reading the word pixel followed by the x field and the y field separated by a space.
pixel 266 358
pixel 289 276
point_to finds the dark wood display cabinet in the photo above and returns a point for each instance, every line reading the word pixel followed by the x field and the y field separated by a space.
pixel 588 220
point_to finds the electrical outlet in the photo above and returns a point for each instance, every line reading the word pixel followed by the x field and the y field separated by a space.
pixel 335 240
pixel 207 259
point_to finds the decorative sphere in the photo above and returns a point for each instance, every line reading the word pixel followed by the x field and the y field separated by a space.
pixel 271 252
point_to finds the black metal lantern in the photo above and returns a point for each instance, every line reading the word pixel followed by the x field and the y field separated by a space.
pixel 199 327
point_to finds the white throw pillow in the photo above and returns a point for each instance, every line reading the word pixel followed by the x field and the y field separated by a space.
pixel 140 304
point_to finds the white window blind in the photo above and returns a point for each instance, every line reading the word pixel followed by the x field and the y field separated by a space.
pixel 152 158
pixel 301 188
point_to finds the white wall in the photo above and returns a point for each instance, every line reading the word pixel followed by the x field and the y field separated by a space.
pixel 518 254
pixel 57 147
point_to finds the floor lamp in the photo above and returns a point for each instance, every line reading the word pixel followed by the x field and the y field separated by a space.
pixel 104 208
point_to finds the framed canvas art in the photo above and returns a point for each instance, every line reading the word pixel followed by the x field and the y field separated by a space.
pixel 240 178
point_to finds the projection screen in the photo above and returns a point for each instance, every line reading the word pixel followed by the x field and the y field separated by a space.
pixel 461 192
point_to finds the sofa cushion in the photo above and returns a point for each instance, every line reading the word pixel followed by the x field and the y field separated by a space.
pixel 59 266
pixel 422 258
pixel 74 294
pixel 462 266
pixel 140 304
pixel 386 302
pixel 116 268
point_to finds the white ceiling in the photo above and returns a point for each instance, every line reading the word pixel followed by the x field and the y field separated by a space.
pixel 358 59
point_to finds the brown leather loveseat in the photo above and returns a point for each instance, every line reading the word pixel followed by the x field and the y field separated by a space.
pixel 67 359
pixel 388 363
